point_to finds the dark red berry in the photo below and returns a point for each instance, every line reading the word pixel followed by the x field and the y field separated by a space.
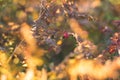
pixel 65 35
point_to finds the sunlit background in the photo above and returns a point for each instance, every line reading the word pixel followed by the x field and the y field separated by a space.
pixel 59 39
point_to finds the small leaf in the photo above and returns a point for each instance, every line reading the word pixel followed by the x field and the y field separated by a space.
pixel 59 42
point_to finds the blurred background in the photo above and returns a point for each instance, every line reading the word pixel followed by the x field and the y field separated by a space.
pixel 44 39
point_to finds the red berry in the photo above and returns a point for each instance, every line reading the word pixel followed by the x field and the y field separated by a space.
pixel 65 35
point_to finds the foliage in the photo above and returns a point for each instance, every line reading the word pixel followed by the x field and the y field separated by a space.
pixel 59 39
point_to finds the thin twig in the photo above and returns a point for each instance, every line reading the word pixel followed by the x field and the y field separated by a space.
pixel 14 51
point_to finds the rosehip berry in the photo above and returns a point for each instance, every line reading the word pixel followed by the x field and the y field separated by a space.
pixel 65 35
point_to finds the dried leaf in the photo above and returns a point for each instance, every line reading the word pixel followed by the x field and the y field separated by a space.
pixel 74 25
pixel 94 69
